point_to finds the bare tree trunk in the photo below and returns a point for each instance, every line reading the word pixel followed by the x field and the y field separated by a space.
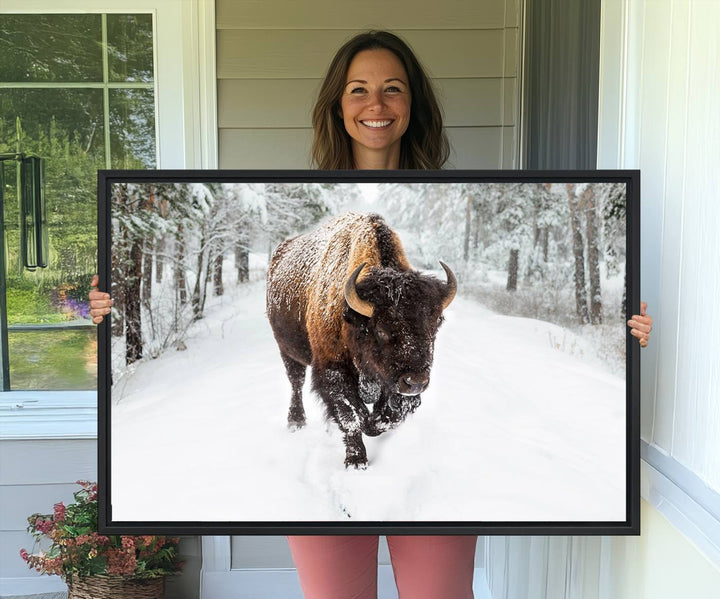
pixel 593 242
pixel 196 299
pixel 117 291
pixel 133 322
pixel 159 259
pixel 468 218
pixel 242 258
pixel 147 272
pixel 513 270
pixel 217 275
pixel 578 252
pixel 209 267
pixel 180 281
pixel 476 228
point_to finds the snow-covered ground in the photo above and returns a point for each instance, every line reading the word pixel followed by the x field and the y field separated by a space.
pixel 515 426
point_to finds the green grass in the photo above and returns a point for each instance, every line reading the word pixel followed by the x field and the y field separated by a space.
pixel 27 306
pixel 53 360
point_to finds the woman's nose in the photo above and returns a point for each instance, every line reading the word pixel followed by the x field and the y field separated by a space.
pixel 376 100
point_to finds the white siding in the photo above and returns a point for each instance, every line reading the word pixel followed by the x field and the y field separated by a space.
pixel 670 129
pixel 35 475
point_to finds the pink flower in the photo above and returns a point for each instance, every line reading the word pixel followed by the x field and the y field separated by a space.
pixel 121 562
pixel 24 554
pixel 128 543
pixel 44 526
pixel 59 512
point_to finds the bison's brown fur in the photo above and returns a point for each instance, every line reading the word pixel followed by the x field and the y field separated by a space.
pixel 314 326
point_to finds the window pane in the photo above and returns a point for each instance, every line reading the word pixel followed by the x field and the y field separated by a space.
pixel 130 47
pixel 65 127
pixel 132 128
pixel 53 360
pixel 50 48
pixel 53 118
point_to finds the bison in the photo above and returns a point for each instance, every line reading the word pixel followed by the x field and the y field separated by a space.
pixel 343 300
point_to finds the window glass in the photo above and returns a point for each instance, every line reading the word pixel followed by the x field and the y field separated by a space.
pixel 132 128
pixel 61 115
pixel 129 40
pixel 37 48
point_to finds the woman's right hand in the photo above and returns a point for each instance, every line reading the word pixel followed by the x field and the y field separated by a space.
pixel 100 302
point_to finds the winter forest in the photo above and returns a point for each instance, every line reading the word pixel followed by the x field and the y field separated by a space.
pixel 554 252
pixel 527 385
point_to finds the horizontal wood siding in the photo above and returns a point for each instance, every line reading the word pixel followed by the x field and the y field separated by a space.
pixel 47 462
pixel 253 54
pixel 288 103
pixel 339 14
pixel 471 147
pixel 264 148
pixel 34 476
pixel 271 58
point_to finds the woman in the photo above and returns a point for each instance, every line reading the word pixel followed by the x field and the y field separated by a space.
pixel 377 110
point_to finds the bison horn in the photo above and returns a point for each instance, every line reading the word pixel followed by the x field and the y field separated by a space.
pixel 353 299
pixel 450 286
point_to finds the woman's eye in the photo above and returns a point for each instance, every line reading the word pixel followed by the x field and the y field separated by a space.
pixel 393 89
pixel 357 90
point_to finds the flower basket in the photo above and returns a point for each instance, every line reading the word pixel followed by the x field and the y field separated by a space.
pixel 117 587
pixel 97 566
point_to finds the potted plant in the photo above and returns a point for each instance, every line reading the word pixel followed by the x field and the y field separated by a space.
pixel 123 567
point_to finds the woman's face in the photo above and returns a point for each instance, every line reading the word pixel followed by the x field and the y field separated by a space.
pixel 375 104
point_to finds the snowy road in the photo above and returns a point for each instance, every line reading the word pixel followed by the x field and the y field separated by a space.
pixel 511 428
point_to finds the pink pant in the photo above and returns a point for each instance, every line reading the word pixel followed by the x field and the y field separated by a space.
pixel 337 567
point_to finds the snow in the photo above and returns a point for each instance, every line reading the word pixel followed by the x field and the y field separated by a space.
pixel 520 423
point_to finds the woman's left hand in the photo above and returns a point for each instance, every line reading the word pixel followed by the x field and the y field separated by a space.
pixel 641 325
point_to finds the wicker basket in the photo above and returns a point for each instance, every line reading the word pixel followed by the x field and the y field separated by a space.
pixel 116 587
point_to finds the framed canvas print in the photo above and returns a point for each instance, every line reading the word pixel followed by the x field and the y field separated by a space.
pixel 303 352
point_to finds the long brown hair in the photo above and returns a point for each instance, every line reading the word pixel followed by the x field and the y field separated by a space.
pixel 424 144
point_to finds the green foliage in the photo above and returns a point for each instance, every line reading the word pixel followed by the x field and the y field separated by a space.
pixel 29 306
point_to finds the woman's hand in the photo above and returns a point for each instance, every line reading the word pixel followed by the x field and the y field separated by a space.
pixel 100 302
pixel 641 325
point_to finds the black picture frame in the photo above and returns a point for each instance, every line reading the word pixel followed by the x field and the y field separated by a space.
pixel 629 524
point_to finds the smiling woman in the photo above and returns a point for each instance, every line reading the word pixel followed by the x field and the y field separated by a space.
pixel 363 117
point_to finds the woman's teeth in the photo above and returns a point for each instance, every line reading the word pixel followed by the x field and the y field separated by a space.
pixel 376 124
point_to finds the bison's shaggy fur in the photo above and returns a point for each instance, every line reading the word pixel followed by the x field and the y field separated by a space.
pixel 382 357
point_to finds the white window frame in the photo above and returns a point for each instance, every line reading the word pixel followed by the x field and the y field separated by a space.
pixel 186 136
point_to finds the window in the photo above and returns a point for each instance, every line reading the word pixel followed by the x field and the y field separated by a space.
pixel 78 91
